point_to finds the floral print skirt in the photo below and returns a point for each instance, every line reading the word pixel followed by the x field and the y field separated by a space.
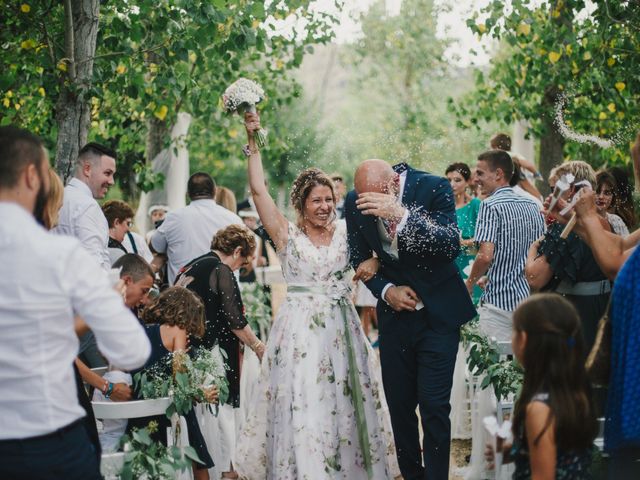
pixel 301 421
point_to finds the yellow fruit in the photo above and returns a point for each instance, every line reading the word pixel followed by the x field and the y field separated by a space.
pixel 574 68
pixel 62 66
pixel 161 113
pixel 555 13
pixel 569 49
pixel 611 61
pixel 153 68
pixel 193 57
pixel 39 70
pixel 233 133
pixel 481 28
pixel 602 116
pixel 17 106
pixel 620 115
pixel 9 94
pixel 587 55
pixel 6 102
pixel 554 56
pixel 611 107
pixel 524 29
pixel 41 91
pixel 28 44
pixel 120 69
pixel 24 8
pixel 620 86
pixel 255 24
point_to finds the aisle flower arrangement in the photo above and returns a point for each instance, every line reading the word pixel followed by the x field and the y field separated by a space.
pixel 505 375
pixel 194 379
pixel 145 458
pixel 242 96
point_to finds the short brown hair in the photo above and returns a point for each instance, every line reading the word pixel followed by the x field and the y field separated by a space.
pixel 116 210
pixel 54 200
pixel 232 237
pixel 500 141
pixel 304 183
pixel 18 149
pixel 498 159
pixel 179 307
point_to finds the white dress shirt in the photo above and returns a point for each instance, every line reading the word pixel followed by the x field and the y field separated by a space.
pixel 47 279
pixel 141 246
pixel 82 217
pixel 186 233
pixel 390 245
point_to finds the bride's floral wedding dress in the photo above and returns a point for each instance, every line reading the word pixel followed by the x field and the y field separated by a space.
pixel 318 411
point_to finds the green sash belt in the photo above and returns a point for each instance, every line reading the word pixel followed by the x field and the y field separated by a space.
pixel 340 297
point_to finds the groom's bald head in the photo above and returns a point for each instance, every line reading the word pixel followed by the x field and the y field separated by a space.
pixel 374 176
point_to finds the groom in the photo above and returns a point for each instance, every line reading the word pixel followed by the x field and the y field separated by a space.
pixel 407 218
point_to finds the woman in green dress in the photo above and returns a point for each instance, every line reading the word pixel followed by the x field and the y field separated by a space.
pixel 467 208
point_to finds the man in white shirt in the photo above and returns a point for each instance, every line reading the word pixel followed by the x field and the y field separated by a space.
pixel 80 215
pixel 51 279
pixel 186 233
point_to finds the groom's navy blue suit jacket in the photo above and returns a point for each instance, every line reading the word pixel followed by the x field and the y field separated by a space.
pixel 427 247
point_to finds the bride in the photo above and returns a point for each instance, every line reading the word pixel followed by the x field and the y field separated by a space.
pixel 319 410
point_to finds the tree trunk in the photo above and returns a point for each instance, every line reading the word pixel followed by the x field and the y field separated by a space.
pixel 73 109
pixel 551 141
pixel 157 134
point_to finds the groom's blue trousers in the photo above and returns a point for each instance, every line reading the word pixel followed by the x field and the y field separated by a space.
pixel 418 360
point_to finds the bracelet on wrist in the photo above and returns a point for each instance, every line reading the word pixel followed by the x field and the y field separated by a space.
pixel 255 345
pixel 248 151
pixel 109 390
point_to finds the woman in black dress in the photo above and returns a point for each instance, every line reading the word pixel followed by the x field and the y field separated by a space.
pixel 211 277
pixel 568 267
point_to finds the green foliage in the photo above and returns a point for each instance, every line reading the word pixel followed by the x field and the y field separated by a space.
pixel 586 50
pixel 146 178
pixel 153 60
pixel 145 458
pixel 504 375
pixel 256 307
pixel 186 386
pixel 394 103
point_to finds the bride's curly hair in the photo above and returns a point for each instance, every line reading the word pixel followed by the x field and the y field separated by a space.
pixel 304 183
pixel 177 306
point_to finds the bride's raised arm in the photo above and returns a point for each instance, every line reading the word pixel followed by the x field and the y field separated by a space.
pixel 273 220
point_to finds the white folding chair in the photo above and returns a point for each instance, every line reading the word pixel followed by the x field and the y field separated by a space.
pixel 111 463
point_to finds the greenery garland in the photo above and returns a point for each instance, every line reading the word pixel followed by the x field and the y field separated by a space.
pixel 193 374
pixel 505 375
pixel 145 458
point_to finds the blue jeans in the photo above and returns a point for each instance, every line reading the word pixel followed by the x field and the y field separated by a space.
pixel 66 454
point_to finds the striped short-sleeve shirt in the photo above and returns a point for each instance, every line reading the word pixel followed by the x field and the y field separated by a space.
pixel 512 223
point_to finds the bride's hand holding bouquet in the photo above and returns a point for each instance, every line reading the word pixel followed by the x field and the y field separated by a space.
pixel 252 126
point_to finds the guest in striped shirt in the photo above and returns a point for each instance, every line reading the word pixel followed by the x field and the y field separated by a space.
pixel 507 225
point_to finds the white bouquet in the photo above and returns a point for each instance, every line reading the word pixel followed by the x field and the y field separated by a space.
pixel 242 96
